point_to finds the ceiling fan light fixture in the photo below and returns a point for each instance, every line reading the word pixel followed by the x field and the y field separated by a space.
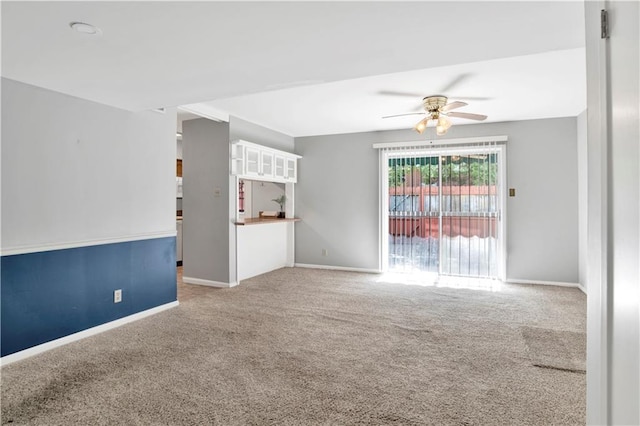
pixel 440 130
pixel 444 122
pixel 421 126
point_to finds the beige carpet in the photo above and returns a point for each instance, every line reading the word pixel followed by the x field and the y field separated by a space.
pixel 299 346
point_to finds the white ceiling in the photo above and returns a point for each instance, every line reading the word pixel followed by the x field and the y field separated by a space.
pixel 305 68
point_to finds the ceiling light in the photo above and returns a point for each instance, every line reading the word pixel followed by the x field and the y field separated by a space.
pixel 422 125
pixel 83 28
pixel 444 122
pixel 443 125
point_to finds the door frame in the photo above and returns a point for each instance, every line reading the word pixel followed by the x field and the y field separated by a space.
pixel 443 147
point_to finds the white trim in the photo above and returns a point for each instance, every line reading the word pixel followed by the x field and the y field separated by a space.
pixel 431 142
pixel 35 350
pixel 582 289
pixel 337 268
pixel 410 150
pixel 208 283
pixel 502 231
pixel 538 282
pixel 206 111
pixel 86 243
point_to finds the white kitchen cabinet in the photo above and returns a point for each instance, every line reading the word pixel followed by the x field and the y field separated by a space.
pixel 280 171
pixel 266 164
pixel 257 162
pixel 252 166
pixel 291 171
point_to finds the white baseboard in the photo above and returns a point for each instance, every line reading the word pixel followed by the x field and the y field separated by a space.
pixel 581 287
pixel 208 283
pixel 337 268
pixel 26 353
pixel 537 282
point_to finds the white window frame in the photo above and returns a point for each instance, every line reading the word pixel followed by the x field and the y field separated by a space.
pixel 434 148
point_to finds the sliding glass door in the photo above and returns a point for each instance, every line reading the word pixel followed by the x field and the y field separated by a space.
pixel 444 211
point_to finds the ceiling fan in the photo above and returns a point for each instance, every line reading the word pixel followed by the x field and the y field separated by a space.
pixel 437 109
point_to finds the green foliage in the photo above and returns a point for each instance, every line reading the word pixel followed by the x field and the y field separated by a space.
pixel 455 170
pixel 281 200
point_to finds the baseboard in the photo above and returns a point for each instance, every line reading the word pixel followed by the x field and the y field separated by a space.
pixel 337 268
pixel 538 282
pixel 581 287
pixel 208 283
pixel 26 353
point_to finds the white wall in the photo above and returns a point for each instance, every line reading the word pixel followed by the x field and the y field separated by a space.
pixel 262 248
pixel 337 197
pixel 68 178
pixel 581 137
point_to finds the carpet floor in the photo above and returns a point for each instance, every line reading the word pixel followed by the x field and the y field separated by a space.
pixel 304 347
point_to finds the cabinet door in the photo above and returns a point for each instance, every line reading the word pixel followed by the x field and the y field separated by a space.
pixel 266 161
pixel 237 159
pixel 291 175
pixel 280 169
pixel 252 161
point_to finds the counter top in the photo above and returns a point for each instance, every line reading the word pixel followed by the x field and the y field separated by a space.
pixel 263 220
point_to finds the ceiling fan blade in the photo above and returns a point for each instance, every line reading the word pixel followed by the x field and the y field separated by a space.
pixel 472 98
pixel 397 93
pixel 467 115
pixel 453 83
pixel 453 105
pixel 402 115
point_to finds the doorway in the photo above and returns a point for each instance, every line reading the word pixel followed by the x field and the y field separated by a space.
pixel 443 211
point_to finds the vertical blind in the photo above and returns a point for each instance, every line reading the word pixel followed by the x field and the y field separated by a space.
pixel 443 206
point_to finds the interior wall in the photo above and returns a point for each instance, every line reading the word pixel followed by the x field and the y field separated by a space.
pixel 337 200
pixel 87 208
pixel 205 201
pixel 76 171
pixel 337 197
pixel 250 132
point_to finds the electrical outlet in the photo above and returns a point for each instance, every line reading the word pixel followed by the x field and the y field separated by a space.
pixel 325 252
pixel 117 296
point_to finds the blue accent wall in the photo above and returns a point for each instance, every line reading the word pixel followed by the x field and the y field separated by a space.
pixel 49 295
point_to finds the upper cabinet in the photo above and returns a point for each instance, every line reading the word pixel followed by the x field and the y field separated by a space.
pixel 257 162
